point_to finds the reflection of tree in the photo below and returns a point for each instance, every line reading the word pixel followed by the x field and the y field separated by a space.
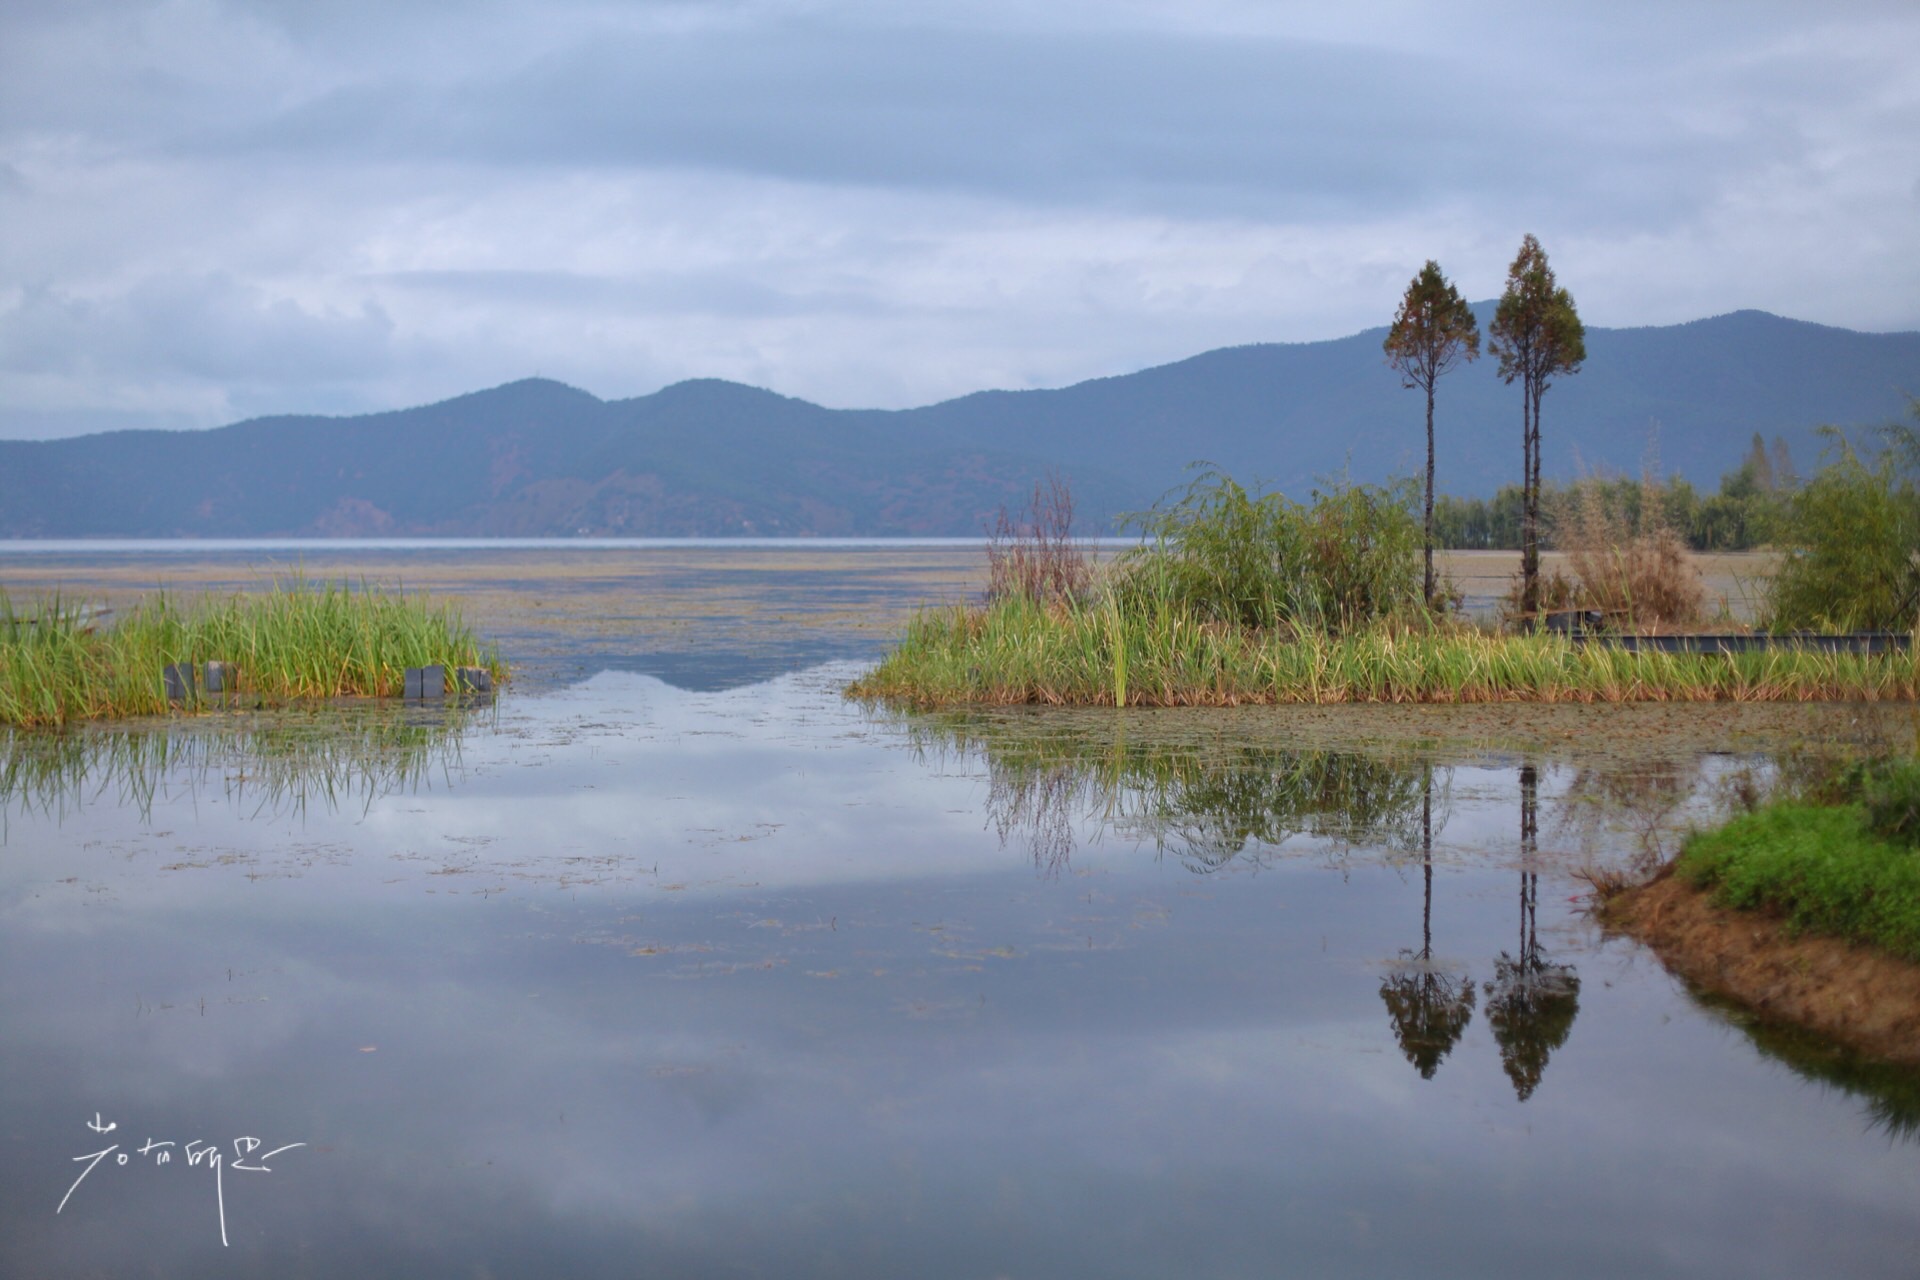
pixel 1205 804
pixel 1531 1001
pixel 278 761
pixel 1430 1008
pixel 1642 795
pixel 1208 812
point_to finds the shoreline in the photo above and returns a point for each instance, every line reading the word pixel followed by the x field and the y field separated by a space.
pixel 1852 994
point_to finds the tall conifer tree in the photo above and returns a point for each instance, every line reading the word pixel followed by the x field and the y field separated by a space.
pixel 1537 334
pixel 1431 331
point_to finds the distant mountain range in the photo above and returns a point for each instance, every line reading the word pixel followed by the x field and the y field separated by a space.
pixel 538 458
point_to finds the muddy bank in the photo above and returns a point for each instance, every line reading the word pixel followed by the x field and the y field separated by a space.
pixel 1861 998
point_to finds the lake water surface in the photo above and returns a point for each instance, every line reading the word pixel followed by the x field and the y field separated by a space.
pixel 620 976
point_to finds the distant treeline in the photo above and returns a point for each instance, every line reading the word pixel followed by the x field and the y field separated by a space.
pixel 1743 514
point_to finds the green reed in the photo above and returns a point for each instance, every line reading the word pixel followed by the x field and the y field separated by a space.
pixel 291 640
pixel 1016 651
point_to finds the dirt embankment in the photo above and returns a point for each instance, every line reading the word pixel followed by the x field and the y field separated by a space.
pixel 1864 999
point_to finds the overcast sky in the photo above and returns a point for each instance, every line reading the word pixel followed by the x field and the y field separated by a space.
pixel 214 210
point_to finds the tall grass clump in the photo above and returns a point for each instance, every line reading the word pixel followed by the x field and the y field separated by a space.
pixel 1851 534
pixel 1019 652
pixel 1219 554
pixel 1038 557
pixel 1632 566
pixel 292 640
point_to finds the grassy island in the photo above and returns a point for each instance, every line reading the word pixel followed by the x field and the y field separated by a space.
pixel 1014 651
pixel 294 640
pixel 1234 599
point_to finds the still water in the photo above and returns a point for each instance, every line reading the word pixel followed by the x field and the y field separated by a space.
pixel 620 978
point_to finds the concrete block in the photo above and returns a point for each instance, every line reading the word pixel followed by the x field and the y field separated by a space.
pixel 473 679
pixel 426 683
pixel 178 679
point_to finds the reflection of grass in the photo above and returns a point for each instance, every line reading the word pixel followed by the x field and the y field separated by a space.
pixel 1891 1091
pixel 292 640
pixel 1014 651
pixel 1205 805
pixel 276 761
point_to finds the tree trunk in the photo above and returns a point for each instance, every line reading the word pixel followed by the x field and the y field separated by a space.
pixel 1429 594
pixel 1529 547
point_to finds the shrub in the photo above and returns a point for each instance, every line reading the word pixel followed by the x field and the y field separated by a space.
pixel 1851 533
pixel 1892 800
pixel 1222 554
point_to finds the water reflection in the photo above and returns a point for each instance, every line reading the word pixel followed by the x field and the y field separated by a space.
pixel 273 762
pixel 1207 805
pixel 1889 1091
pixel 1211 805
pixel 1429 1005
pixel 1531 999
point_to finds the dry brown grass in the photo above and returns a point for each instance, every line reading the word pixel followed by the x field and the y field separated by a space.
pixel 1639 573
pixel 1038 557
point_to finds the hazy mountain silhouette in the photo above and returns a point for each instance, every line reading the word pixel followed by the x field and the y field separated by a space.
pixel 708 457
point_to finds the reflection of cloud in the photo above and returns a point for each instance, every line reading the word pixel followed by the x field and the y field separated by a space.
pixel 612 1078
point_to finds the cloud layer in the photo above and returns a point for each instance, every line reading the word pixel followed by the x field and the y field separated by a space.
pixel 216 210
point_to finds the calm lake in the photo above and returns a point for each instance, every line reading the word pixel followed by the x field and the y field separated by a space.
pixel 671 961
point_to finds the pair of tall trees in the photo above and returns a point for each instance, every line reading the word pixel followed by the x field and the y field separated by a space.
pixel 1537 335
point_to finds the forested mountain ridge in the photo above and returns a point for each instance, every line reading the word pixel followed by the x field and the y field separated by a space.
pixel 706 457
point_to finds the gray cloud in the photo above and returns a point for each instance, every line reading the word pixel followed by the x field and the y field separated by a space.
pixel 207 327
pixel 1181 123
pixel 217 207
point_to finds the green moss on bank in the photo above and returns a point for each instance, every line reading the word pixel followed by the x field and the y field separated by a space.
pixel 1820 867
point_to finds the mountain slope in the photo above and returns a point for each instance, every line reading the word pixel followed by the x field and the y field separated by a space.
pixel 714 458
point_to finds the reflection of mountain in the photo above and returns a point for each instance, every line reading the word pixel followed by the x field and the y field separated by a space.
pixel 1531 1001
pixel 275 761
pixel 1430 1008
pixel 1208 805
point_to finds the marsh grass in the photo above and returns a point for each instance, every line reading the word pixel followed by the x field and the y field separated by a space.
pixel 1014 651
pixel 292 640
pixel 1221 553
